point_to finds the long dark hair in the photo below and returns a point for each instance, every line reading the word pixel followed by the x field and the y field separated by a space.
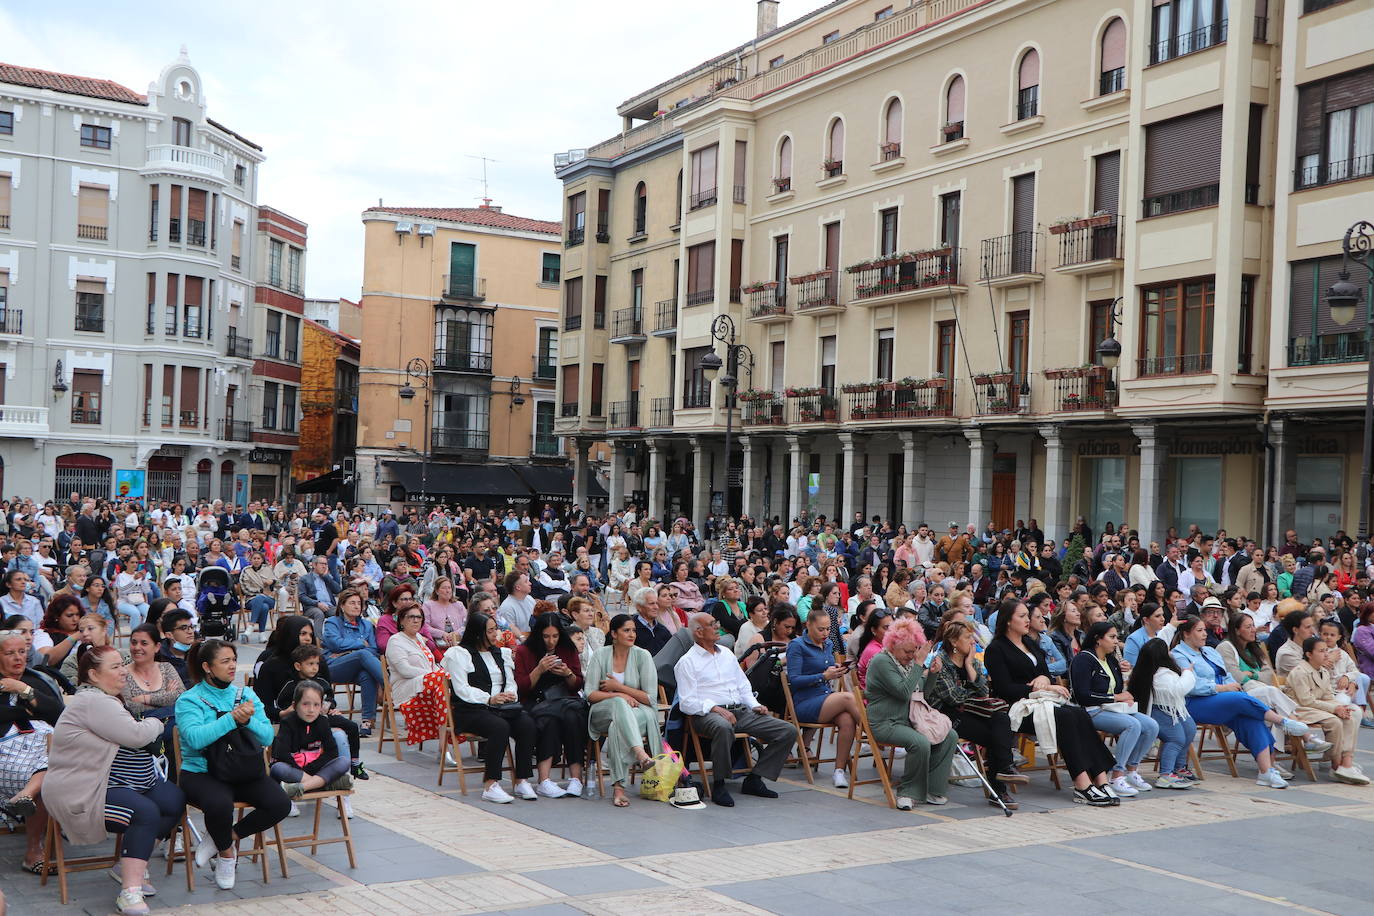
pixel 1183 627
pixel 475 633
pixel 869 626
pixel 286 636
pixel 534 642
pixel 205 652
pixel 1255 653
pixel 780 612
pixel 1153 656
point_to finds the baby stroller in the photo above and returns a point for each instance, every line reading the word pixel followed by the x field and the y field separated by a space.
pixel 216 606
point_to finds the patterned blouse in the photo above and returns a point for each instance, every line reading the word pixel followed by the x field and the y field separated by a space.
pixel 165 696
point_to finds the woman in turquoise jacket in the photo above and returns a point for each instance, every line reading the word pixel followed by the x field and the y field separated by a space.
pixel 211 709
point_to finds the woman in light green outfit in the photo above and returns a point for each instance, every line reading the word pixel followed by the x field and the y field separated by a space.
pixel 622 687
pixel 893 675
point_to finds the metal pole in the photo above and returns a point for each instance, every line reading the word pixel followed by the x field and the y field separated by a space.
pixel 729 417
pixel 1367 454
pixel 424 458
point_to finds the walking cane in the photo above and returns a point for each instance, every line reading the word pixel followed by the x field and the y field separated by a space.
pixel 983 779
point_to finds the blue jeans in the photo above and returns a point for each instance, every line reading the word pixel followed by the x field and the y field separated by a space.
pixel 364 668
pixel 1240 712
pixel 259 606
pixel 135 612
pixel 1174 740
pixel 1135 734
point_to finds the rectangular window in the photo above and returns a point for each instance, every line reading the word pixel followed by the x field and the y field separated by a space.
pixel 291 339
pixel 153 191
pixel 944 348
pixel 271 345
pixel 828 354
pixel 776 62
pixel 599 303
pixel 93 213
pixel 288 408
pixel 6 122
pixel 777 357
pixel 884 13
pixel 95 136
pixel 147 418
pixel 884 361
pixel 1246 335
pixel 240 175
pixel 598 388
pixel 703 177
pixel 831 235
pixel 269 405
pixel 696 385
pixel 1183 163
pixel 1335 129
pixel 90 305
pixel 196 201
pixel 736 268
pixel 236 246
pixel 11 322
pixel 1106 490
pixel 1314 338
pixel 188 417
pixel 181 132
pixel 1018 344
pixel 1184 26
pixel 193 307
pixel 637 294
pixel 174 216
pixel 169 381
pixel 1176 330
pixel 572 304
pixel 276 251
pixel 572 378
pixel 1318 507
pixel 701 273
pixel 551 269
pixel 547 365
pixel 1197 493
pixel 741 169
pixel 780 246
pixel 887 241
pixel 577 218
pixel 293 269
pixel 86 384
pixel 828 37
pixel 1099 326
pixel 603 215
pixel 545 442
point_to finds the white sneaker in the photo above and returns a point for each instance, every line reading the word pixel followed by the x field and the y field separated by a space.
pixel 1123 788
pixel 1271 779
pixel 524 790
pixel 348 807
pixel 904 803
pixel 147 890
pixel 295 810
pixel 497 795
pixel 205 851
pixel 841 779
pixel 1350 775
pixel 574 788
pixel 448 759
pixel 225 872
pixel 548 788
pixel 1315 745
pixel 899 753
pixel 1138 782
pixel 1294 727
pixel 130 902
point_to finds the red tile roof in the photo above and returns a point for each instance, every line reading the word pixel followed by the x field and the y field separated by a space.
pixel 475 216
pixel 233 133
pixel 73 85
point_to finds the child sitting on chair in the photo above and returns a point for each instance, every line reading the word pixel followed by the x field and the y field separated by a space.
pixel 305 757
pixel 305 659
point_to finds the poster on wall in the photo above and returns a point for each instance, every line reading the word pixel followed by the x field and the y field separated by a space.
pixel 129 484
pixel 241 489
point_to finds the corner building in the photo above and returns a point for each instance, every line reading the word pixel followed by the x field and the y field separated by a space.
pixel 923 221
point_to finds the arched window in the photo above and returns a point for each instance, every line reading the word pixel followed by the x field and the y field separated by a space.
pixel 83 473
pixel 1113 77
pixel 834 149
pixel 783 181
pixel 641 208
pixel 954 110
pixel 462 339
pixel 203 469
pixel 1028 86
pixel 892 130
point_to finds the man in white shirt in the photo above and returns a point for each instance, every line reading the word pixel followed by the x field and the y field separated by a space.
pixel 712 687
pixel 924 545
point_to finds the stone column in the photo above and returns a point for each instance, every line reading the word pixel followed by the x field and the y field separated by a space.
pixel 979 478
pixel 1151 496
pixel 580 473
pixel 1058 464
pixel 796 499
pixel 913 479
pixel 701 484
pixel 747 478
pixel 1285 493
pixel 656 456
pixel 850 487
pixel 616 496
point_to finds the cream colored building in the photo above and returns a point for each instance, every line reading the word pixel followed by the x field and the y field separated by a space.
pixel 923 220
pixel 471 294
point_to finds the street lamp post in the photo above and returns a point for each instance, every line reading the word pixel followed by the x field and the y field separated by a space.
pixel 737 356
pixel 1109 349
pixel 1343 298
pixel 418 369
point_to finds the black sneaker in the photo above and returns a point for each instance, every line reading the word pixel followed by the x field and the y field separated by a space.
pixel 753 785
pixel 1090 796
pixel 360 771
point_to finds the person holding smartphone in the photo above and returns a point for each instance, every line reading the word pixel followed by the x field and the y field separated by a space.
pixel 548 679
pixel 811 672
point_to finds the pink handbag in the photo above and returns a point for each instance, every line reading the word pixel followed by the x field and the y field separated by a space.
pixel 928 720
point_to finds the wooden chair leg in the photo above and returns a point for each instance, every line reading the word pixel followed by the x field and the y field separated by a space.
pixel 347 831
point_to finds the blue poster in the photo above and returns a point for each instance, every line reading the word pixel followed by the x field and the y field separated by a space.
pixel 129 484
pixel 241 489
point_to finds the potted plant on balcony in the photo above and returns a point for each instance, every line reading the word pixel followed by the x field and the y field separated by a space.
pixel 858 413
pixel 830 407
pixel 832 168
pixel 759 286
pixel 938 381
pixel 808 413
pixel 803 392
pixel 755 395
pixel 782 184
pixel 1072 401
pixel 858 387
pixel 998 405
pixel 1099 218
pixel 952 128
pixel 890 150
pixel 1062 225
pixel 1055 374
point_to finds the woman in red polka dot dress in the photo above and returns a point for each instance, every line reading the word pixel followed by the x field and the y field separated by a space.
pixel 419 687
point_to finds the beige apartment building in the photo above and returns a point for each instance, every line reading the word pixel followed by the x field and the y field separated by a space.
pixel 467 298
pixel 924 220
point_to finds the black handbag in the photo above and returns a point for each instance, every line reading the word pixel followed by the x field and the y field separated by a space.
pixel 236 757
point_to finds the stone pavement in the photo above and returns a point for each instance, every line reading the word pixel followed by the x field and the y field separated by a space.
pixel 1227 846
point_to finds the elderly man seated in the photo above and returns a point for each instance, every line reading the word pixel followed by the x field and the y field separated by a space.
pixel 712 687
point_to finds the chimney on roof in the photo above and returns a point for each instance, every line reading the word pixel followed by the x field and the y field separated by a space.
pixel 768 17
pixel 486 205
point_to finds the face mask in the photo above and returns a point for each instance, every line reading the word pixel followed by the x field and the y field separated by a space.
pixel 181 646
pixel 222 685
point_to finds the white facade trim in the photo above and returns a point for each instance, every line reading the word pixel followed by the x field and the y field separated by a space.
pixel 109 178
pixel 101 269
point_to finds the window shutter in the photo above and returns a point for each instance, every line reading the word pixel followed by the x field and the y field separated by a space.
pixel 1350 89
pixel 195 205
pixel 194 293
pixel 1114 46
pixel 1107 182
pixel 236 243
pixel 741 162
pixel 1301 298
pixel 837 140
pixel 570 383
pixel 4 192
pixel 784 158
pixel 1030 70
pixel 1184 153
pixel 894 121
pixel 954 106
pixel 90 286
pixel 93 206
pixel 462 262
pixel 832 245
pixel 1023 203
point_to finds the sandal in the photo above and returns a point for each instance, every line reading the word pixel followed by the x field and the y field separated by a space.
pixel 19 806
pixel 36 868
pixel 620 801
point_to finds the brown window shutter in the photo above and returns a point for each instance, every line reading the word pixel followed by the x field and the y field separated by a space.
pixel 93 206
pixel 954 101
pixel 893 123
pixel 190 388
pixel 785 158
pixel 1184 153
pixel 1311 102
pixel 1023 203
pixel 1107 182
pixel 1029 74
pixel 570 382
pixel 90 286
pixel 1114 46
pixel 195 206
pixel 837 140
pixel 176 201
pixel 736 264
pixel 4 193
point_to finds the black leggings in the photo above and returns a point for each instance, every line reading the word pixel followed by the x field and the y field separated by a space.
pixel 993 734
pixel 565 729
pixel 1079 745
pixel 350 730
pixel 143 817
pixel 497 731
pixel 216 801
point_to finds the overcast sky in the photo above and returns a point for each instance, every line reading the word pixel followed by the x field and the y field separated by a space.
pixel 354 100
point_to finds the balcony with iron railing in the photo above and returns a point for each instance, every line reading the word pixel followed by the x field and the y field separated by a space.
pixel 762 408
pixel 627 325
pixel 1001 394
pixel 195 232
pixel 191 328
pixel 572 322
pixel 1111 81
pixel 90 320
pixel 603 227
pixel 1027 103
pixel 661 413
pixel 92 232
pixel 231 430
pixel 1076 389
pixel 568 409
pixel 665 317
pixel 624 414
pixel 1314 173
pixel 1179 201
pixel 236 347
pixel 457 360
pixel 455 439
pixel 545 370
pixel 174 229
pixel 11 321
pixel 811 405
pixel 188 419
pixel 782 185
pixel 346 399
pixel 1011 259
pixel 1088 244
pixel 903 399
pixel 1328 349
pixel 767 302
pixel 1184 364
pixel 910 275
pixel 235 262
pixel 576 236
pixel 700 199
pixel 701 296
pixel 4 220
pixel 952 131
pixel 887 152
pixel 86 415
pixel 816 293
pixel 545 446
pixel 464 287
pixel 1208 36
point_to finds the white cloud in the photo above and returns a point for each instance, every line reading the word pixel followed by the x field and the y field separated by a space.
pixel 356 100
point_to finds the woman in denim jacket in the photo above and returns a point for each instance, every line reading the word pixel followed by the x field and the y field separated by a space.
pixel 1216 699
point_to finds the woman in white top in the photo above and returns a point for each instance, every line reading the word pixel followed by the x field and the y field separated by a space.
pixel 620 575
pixel 482 677
pixel 1140 572
pixel 1160 689
pixel 419 687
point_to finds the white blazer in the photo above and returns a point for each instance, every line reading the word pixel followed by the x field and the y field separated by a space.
pixel 407 666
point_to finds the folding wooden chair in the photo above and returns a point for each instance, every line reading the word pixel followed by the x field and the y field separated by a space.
pixel 57 862
pixel 387 718
pixel 702 760
pixel 1053 763
pixel 450 737
pixel 883 754
pixel 312 839
pixel 1223 748
pixel 349 690
pixel 1297 756
pixel 808 731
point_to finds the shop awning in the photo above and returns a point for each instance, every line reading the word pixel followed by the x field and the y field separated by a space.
pixel 456 481
pixel 550 483
pixel 325 483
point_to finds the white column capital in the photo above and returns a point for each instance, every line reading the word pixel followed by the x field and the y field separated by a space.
pixel 849 440
pixel 1145 431
pixel 794 444
pixel 1052 433
pixel 974 437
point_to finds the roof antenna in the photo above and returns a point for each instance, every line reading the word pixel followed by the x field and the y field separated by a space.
pixel 486 191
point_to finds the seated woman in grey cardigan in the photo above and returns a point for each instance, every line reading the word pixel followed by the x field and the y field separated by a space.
pixel 101 776
pixel 622 687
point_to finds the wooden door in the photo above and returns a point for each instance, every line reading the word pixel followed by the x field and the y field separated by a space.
pixel 1003 491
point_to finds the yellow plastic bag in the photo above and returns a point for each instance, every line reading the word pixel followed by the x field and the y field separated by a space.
pixel 659 781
